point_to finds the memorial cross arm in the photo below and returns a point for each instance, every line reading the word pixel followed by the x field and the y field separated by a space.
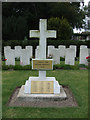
pixel 34 34
pixel 51 34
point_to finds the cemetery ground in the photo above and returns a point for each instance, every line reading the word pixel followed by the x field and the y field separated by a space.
pixel 76 80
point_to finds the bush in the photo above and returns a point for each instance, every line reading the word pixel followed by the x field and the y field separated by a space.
pixel 66 67
pixel 62 26
pixel 5 67
pixel 16 67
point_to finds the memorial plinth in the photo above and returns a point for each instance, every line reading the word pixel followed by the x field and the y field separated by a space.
pixel 35 85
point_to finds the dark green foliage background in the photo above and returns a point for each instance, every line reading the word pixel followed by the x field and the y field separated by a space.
pixel 20 17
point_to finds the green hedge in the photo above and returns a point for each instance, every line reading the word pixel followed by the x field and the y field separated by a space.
pixel 16 67
pixel 55 67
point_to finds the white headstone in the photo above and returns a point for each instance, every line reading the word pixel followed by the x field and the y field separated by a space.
pixel 83 54
pixel 62 50
pixel 17 51
pixel 30 51
pixel 37 52
pixel 70 56
pixel 50 50
pixel 89 51
pixel 83 46
pixel 56 56
pixel 75 49
pixel 24 57
pixel 9 55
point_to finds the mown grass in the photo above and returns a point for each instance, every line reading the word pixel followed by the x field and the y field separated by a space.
pixel 77 80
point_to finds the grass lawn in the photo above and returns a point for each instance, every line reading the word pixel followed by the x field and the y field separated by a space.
pixel 77 80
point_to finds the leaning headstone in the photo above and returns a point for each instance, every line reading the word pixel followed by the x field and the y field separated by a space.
pixel 83 54
pixel 62 50
pixel 9 55
pixel 17 51
pixel 70 56
pixel 24 57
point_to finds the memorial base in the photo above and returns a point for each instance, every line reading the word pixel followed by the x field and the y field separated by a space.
pixel 36 85
pixel 41 97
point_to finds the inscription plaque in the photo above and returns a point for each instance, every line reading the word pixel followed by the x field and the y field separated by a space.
pixel 39 87
pixel 42 64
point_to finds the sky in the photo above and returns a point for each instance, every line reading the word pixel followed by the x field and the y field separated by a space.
pixel 86 2
pixel 82 30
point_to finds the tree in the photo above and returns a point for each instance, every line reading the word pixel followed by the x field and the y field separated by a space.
pixel 87 20
pixel 64 30
pixel 31 12
pixel 14 28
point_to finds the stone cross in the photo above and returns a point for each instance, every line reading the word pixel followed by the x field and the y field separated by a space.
pixel 43 34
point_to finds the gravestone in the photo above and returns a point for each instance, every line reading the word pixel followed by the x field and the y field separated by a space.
pixel 24 57
pixel 56 56
pixel 30 51
pixel 37 52
pixel 50 51
pixel 17 51
pixel 75 49
pixel 83 54
pixel 70 56
pixel 9 55
pixel 89 51
pixel 62 50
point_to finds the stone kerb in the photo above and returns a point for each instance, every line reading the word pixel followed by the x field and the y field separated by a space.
pixel 83 54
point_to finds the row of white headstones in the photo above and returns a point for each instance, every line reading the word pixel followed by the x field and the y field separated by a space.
pixel 55 53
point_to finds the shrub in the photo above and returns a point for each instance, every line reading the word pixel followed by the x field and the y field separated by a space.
pixel 19 67
pixel 66 67
pixel 5 67
pixel 16 67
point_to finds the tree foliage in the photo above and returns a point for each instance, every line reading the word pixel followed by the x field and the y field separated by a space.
pixel 64 30
pixel 20 17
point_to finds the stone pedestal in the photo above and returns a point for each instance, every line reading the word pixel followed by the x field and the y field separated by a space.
pixel 35 85
pixel 41 97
